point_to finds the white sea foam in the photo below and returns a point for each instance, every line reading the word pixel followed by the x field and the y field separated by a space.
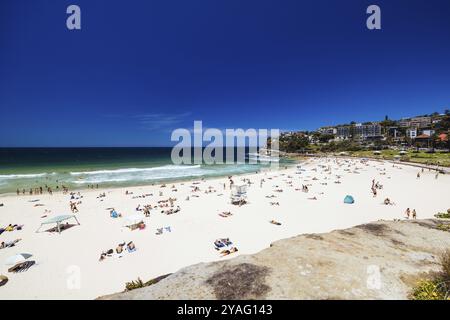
pixel 23 176
pixel 262 158
pixel 138 174
pixel 135 170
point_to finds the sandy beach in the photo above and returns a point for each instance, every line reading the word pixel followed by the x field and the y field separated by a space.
pixel 68 267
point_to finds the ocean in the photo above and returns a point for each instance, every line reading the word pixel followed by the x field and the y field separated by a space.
pixel 77 168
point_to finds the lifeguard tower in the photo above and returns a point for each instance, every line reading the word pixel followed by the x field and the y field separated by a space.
pixel 239 194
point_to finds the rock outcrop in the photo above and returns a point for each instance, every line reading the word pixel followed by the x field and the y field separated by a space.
pixel 379 260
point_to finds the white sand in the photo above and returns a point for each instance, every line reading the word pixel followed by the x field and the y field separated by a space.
pixel 195 228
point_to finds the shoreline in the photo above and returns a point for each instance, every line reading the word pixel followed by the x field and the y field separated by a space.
pixel 159 183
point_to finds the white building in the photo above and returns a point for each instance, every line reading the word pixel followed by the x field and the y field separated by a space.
pixel 411 133
pixel 428 132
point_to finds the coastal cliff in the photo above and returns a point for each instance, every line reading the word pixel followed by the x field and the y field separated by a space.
pixel 379 260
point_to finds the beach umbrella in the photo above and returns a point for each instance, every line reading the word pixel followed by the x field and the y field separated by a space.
pixel 134 219
pixel 18 258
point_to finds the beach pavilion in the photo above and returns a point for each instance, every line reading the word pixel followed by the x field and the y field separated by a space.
pixel 58 220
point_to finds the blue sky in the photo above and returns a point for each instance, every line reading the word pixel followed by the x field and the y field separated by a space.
pixel 140 68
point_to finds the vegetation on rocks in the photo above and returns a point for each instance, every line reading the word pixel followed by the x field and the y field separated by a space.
pixel 443 215
pixel 140 284
pixel 438 287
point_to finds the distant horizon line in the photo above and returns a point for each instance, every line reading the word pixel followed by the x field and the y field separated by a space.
pixel 86 147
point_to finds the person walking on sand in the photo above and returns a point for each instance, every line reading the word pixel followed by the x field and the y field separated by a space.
pixel 407 213
pixel 418 175
pixel 414 214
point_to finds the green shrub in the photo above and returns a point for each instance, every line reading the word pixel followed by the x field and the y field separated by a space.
pixel 140 284
pixel 437 288
pixel 445 263
pixel 443 227
pixel 427 290
pixel 442 215
pixel 134 285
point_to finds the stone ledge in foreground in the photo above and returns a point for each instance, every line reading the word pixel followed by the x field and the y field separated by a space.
pixel 335 265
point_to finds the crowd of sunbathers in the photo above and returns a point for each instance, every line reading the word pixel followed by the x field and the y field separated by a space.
pixel 21 266
pixel 171 210
pixel 166 203
pixel 101 195
pixel 145 209
pixel 120 249
pixel 40 190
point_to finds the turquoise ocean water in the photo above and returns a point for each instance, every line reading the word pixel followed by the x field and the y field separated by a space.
pixel 77 168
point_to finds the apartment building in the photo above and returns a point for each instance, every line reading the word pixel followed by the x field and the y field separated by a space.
pixel 416 122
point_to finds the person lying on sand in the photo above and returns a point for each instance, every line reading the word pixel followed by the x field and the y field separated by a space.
pixel 9 244
pixel 220 243
pixel 313 198
pixel 131 247
pixel 12 227
pixel 225 214
pixel 119 248
pixel 224 253
pixel 106 254
pixel 274 203
pixel 275 222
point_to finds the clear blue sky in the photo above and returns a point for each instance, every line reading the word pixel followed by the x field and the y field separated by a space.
pixel 140 68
